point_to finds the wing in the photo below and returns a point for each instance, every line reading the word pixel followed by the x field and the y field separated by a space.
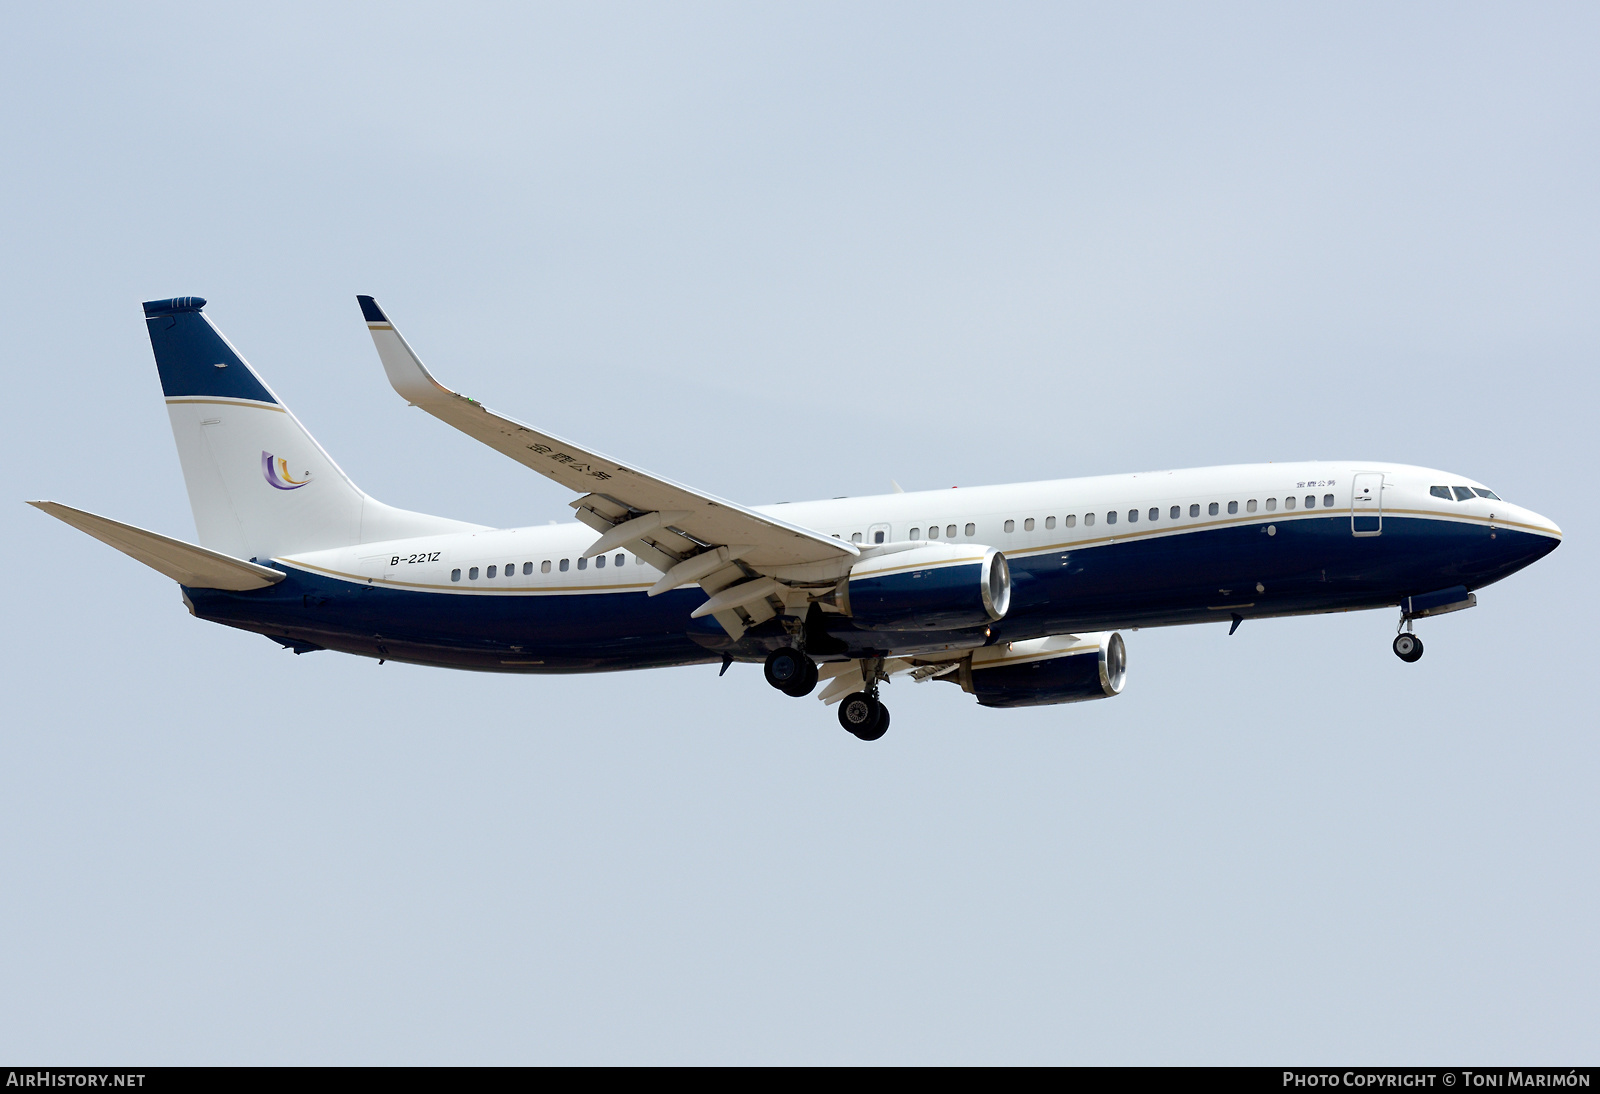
pixel 687 534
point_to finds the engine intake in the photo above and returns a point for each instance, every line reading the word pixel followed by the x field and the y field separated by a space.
pixel 1063 668
pixel 942 586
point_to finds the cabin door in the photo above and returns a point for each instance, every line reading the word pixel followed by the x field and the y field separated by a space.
pixel 1366 504
pixel 878 533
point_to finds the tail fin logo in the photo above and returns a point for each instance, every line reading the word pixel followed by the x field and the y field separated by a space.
pixel 275 469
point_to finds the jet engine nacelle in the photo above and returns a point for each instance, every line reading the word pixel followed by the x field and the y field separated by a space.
pixel 1064 668
pixel 940 586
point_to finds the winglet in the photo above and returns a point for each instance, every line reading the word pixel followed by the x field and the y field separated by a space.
pixel 406 372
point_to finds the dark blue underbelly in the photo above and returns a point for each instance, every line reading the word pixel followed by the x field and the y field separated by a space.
pixel 1306 566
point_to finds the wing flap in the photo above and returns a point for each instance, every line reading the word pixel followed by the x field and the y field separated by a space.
pixel 185 563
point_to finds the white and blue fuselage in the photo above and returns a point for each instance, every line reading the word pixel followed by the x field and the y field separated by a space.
pixel 1012 591
pixel 1149 549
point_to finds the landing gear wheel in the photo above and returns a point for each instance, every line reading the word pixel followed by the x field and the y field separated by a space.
pixel 864 716
pixel 788 668
pixel 1407 647
pixel 881 728
pixel 806 682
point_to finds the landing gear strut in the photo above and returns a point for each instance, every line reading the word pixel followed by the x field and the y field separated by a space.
pixel 791 671
pixel 862 713
pixel 1407 647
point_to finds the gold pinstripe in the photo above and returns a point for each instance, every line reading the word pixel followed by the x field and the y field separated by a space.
pixel 255 403
pixel 1465 518
pixel 1459 518
pixel 1278 518
pixel 456 588
pixel 1048 655
pixel 940 564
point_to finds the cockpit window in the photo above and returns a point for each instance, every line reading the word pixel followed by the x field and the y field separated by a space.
pixel 1463 493
pixel 1482 493
pixel 1440 492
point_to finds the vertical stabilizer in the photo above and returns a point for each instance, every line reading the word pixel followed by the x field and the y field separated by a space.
pixel 259 484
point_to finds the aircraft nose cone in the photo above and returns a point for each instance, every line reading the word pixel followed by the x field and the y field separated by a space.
pixel 1535 522
pixel 1546 535
pixel 1518 537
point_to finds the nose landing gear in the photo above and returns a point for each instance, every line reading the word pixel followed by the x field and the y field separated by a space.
pixel 1407 647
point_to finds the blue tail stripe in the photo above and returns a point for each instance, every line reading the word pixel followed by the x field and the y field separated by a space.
pixel 193 358
pixel 370 310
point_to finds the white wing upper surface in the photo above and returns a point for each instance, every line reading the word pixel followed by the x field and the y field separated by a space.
pixel 613 492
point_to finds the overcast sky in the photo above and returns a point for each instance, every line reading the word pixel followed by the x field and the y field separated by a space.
pixel 783 252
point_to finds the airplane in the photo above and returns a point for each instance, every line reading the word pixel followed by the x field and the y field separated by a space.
pixel 1016 593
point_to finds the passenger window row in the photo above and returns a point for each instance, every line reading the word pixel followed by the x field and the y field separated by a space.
pixel 1153 514
pixel 544 567
pixel 1029 524
pixel 1463 493
pixel 1133 516
pixel 949 532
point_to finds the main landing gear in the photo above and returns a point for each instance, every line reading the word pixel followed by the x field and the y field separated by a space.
pixel 864 715
pixel 1407 647
pixel 791 671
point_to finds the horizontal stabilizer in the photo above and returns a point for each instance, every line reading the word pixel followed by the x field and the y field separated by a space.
pixel 185 563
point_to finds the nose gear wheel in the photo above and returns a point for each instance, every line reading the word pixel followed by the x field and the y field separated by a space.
pixel 1407 647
